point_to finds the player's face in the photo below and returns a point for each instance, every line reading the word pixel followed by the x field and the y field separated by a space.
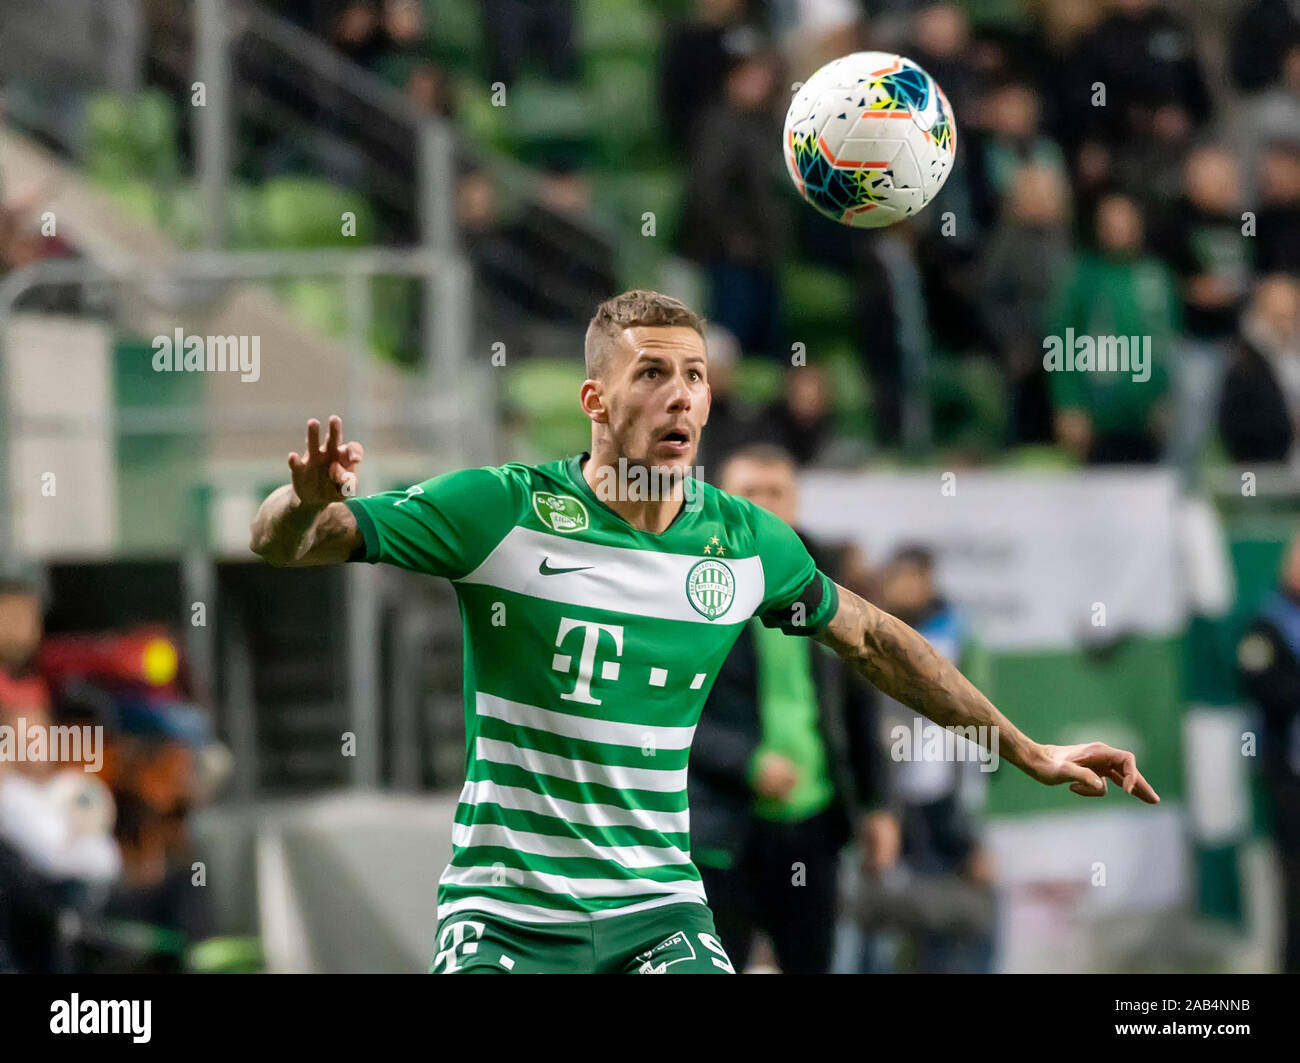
pixel 656 396
pixel 767 484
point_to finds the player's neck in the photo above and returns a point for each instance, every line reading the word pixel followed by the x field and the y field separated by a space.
pixel 608 479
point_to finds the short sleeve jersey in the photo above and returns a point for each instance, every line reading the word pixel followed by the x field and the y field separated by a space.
pixel 590 648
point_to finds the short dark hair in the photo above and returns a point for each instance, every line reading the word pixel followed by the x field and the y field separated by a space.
pixel 759 454
pixel 638 307
pixel 914 554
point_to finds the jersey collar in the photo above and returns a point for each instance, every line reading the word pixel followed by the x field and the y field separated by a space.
pixel 574 468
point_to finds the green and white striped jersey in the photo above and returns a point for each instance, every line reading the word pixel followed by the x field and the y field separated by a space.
pixel 590 648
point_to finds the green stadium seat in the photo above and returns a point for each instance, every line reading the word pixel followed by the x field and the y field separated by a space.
pixel 628 194
pixel 185 216
pixel 758 380
pixel 818 305
pixel 1042 456
pixel 131 136
pixel 849 393
pixel 301 212
pixel 550 124
pixel 140 199
pixel 617 27
pixel 969 403
pixel 545 391
pixel 623 89
pixel 456 27
pixel 475 115
pixel 319 304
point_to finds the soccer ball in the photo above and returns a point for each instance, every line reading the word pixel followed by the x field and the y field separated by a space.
pixel 869 139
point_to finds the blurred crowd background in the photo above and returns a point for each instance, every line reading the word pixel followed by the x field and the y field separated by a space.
pixel 1128 168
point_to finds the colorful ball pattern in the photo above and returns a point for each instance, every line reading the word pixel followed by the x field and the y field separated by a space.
pixel 869 139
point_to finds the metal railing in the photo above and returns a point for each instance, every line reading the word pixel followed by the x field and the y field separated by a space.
pixel 448 416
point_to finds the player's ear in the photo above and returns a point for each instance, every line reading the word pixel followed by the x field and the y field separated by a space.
pixel 593 403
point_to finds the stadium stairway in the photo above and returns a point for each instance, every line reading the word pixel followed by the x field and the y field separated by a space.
pixel 195 486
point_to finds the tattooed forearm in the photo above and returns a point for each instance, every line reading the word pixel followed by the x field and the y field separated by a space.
pixel 897 660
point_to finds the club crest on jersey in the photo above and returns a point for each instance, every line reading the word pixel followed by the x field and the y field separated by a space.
pixel 710 586
pixel 561 513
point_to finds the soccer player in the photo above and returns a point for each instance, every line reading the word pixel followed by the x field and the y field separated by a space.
pixel 596 615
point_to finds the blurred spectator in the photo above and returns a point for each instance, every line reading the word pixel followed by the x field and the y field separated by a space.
pixel 518 31
pixel 800 422
pixel 732 421
pixel 1144 57
pixel 1268 659
pixel 885 269
pixel 1259 418
pixel 428 87
pixel 734 218
pixel 1264 32
pixel 356 32
pixel 1107 417
pixel 1201 239
pixel 1024 267
pixel 1013 139
pixel 941 44
pixel 501 269
pixel 941 894
pixel 545 263
pixel 56 848
pixel 1272 116
pixel 1277 228
pixel 810 33
pixel 783 768
pixel 694 63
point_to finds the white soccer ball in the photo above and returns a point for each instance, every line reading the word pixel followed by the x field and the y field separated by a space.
pixel 869 139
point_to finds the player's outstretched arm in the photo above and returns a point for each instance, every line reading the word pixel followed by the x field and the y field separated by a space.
pixel 893 657
pixel 305 522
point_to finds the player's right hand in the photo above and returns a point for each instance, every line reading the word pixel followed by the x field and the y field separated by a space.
pixel 325 473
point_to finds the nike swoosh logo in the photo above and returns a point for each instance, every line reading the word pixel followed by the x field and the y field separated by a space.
pixel 545 569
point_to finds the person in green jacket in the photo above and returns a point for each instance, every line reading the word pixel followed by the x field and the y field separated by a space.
pixel 1117 322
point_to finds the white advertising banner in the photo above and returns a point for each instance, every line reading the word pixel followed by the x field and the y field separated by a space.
pixel 1039 561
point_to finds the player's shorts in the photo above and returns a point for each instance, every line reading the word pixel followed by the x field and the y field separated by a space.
pixel 674 939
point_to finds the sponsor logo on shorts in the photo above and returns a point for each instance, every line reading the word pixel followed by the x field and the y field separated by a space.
pixel 671 950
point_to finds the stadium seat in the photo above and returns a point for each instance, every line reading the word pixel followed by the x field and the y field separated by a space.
pixel 300 212
pixel 848 385
pixel 131 137
pixel 549 124
pixel 481 122
pixel 628 194
pixel 623 89
pixel 758 380
pixel 456 27
pixel 969 403
pixel 544 389
pixel 184 219
pixel 616 27
pixel 1040 456
pixel 138 198
pixel 818 305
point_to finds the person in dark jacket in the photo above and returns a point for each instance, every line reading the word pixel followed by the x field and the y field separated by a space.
pixel 783 771
pixel 735 215
pixel 1260 407
pixel 1268 661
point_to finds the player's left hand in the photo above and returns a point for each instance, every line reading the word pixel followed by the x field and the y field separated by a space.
pixel 1086 768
